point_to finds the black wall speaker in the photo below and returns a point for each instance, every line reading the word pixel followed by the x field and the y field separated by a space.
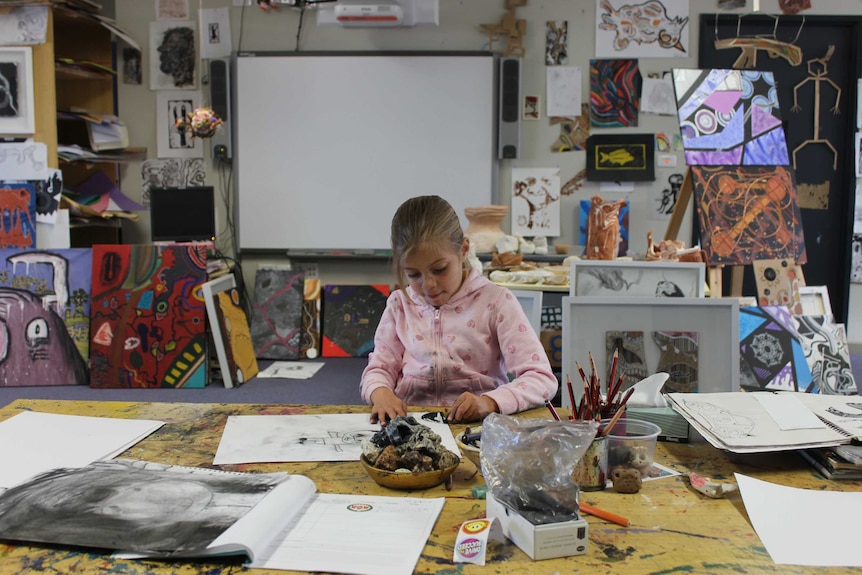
pixel 219 73
pixel 509 124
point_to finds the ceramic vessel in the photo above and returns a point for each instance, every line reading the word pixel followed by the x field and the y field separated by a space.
pixel 484 228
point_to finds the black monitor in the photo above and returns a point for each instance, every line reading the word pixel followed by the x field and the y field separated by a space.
pixel 182 214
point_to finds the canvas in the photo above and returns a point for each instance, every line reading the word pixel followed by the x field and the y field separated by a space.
pixel 309 342
pixel 825 345
pixel 228 326
pixel 45 303
pixel 748 213
pixel 147 317
pixel 770 351
pixel 350 317
pixel 730 117
pixel 276 316
pixel 778 284
pixel 18 201
pixel 615 87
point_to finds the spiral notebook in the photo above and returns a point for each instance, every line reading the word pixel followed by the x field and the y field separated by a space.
pixel 750 422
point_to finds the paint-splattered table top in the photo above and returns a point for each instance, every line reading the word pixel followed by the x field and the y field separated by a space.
pixel 673 528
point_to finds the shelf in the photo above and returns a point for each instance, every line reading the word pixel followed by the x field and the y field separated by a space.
pixel 536 287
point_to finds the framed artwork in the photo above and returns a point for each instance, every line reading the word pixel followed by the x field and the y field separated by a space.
pixel 174 142
pixel 17 114
pixel 587 321
pixel 621 158
pixel 531 301
pixel 748 213
pixel 815 300
pixel 729 117
pixel 612 278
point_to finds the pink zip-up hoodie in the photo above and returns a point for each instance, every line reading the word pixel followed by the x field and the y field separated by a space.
pixel 430 356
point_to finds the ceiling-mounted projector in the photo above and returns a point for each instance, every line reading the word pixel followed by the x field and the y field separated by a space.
pixel 379 13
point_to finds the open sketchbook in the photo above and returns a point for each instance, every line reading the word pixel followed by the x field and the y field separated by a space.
pixel 145 509
pixel 750 422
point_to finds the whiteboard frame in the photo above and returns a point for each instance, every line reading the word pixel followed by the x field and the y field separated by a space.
pixel 459 165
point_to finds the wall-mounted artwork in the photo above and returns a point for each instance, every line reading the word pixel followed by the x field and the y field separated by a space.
pixel 276 316
pixel 174 141
pixel 615 87
pixel 536 201
pixel 574 131
pixel 45 303
pixel 556 42
pixel 729 117
pixel 825 346
pixel 171 173
pixel 17 114
pixel 148 316
pixel 621 158
pixel 173 55
pixel 350 317
pixel 770 351
pixel 748 213
pixel 642 29
pixel 18 215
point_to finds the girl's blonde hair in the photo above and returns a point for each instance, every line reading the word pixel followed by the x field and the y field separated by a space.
pixel 423 221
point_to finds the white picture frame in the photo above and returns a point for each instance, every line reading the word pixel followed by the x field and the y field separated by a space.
pixel 210 289
pixel 624 278
pixel 172 143
pixel 531 301
pixel 17 108
pixel 815 300
pixel 716 321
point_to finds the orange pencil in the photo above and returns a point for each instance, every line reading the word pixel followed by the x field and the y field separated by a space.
pixel 607 515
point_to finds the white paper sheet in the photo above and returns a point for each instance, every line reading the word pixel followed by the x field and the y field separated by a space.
pixel 564 90
pixel 323 437
pixel 35 442
pixel 359 534
pixel 823 530
pixel 292 369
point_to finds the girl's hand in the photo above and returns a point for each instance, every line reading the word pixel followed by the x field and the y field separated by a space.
pixel 386 406
pixel 469 407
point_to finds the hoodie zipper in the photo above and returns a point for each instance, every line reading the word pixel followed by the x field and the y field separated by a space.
pixel 438 348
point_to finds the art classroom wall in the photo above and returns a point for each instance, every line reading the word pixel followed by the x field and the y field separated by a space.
pixel 253 29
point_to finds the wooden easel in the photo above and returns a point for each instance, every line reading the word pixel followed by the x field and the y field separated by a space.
pixel 713 273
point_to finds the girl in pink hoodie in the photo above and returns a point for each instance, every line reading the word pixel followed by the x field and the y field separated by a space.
pixel 450 336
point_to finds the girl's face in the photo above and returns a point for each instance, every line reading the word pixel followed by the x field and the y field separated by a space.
pixel 434 272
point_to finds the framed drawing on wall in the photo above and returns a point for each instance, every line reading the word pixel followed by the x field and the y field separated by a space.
pixel 612 278
pixel 16 91
pixel 694 339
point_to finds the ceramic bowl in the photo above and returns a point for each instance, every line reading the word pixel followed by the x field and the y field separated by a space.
pixel 405 479
pixel 469 451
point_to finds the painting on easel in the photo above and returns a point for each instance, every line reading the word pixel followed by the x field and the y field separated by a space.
pixel 729 117
pixel 748 213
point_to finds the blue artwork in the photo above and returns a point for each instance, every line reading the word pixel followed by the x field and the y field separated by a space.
pixel 770 351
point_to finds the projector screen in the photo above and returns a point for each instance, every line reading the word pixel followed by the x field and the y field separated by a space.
pixel 328 145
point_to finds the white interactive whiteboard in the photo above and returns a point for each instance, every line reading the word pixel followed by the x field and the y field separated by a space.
pixel 328 145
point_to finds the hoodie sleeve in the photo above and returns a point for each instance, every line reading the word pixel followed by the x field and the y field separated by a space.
pixel 524 357
pixel 384 363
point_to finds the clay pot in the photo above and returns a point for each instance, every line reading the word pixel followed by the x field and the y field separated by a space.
pixel 484 228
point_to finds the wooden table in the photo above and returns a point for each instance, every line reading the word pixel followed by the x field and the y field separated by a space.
pixel 674 529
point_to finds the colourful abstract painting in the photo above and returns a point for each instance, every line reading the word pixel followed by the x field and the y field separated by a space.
pixel 148 317
pixel 350 317
pixel 770 351
pixel 729 118
pixel 45 316
pixel 309 341
pixel 18 205
pixel 825 345
pixel 748 213
pixel 276 312
pixel 615 87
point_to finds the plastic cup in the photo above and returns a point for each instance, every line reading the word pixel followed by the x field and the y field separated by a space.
pixel 631 443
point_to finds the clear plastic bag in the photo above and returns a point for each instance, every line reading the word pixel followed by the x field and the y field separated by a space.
pixel 528 464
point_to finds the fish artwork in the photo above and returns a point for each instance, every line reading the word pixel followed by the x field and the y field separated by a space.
pixel 620 157
pixel 645 23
